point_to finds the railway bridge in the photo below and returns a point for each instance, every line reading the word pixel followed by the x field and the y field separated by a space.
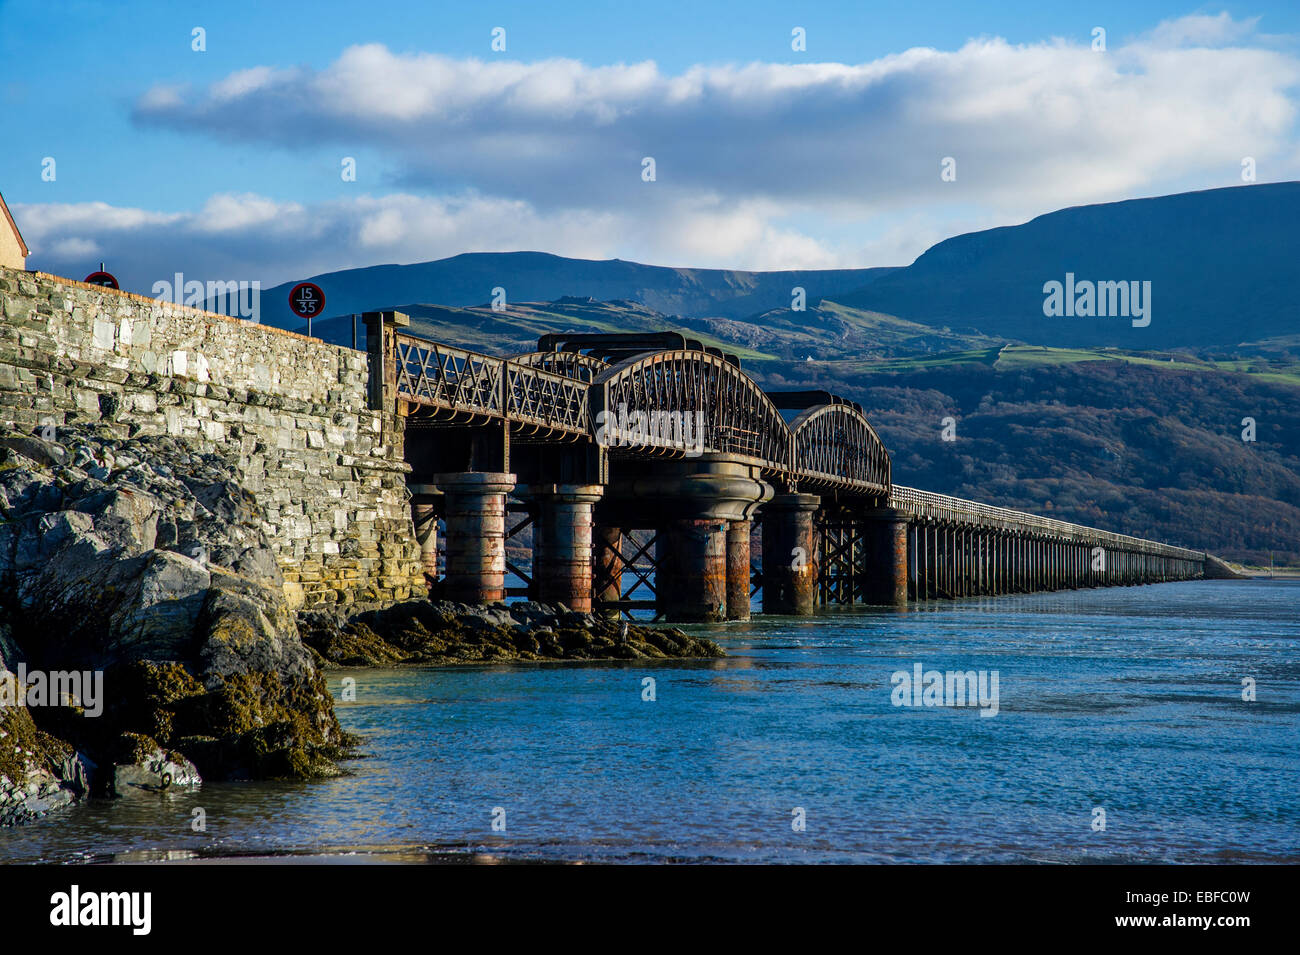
pixel 646 467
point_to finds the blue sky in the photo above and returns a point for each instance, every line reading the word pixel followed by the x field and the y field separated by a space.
pixel 226 163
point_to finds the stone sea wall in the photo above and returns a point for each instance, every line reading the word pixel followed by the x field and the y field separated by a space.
pixel 326 471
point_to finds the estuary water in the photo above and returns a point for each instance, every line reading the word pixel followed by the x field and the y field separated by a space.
pixel 1121 735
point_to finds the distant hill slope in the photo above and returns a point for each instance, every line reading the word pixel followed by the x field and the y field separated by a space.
pixel 469 279
pixel 1224 268
pixel 515 329
pixel 1125 442
pixel 820 331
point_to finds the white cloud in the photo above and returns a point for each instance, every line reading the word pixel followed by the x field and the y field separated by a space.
pixel 74 249
pixel 759 165
pixel 1203 30
pixel 1033 127
pixel 252 237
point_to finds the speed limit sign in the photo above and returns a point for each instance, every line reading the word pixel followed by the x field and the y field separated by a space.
pixel 306 300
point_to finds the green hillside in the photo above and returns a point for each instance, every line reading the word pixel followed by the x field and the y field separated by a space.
pixel 1137 443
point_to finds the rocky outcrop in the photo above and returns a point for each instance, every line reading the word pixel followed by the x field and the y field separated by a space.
pixel 142 606
pixel 145 561
pixel 440 632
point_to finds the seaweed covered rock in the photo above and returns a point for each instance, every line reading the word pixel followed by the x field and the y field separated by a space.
pixel 441 632
pixel 38 772
pixel 143 560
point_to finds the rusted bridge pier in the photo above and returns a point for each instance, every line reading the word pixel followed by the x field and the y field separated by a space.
pixel 650 473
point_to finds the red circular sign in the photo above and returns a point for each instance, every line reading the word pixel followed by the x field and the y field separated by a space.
pixel 306 300
pixel 101 278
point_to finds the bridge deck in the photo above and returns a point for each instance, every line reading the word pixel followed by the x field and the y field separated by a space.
pixel 928 506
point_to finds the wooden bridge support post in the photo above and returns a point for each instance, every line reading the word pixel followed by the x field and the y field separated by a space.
pixel 1008 563
pixel 1013 557
pixel 476 535
pixel 1022 563
pixel 1008 544
pixel 949 557
pixel 1000 560
pixel 790 554
pixel 999 574
pixel 958 571
pixel 964 560
pixel 986 563
pixel 931 540
pixel 925 585
pixel 562 543
pixel 986 560
pixel 885 531
pixel 1018 558
pixel 968 556
pixel 738 570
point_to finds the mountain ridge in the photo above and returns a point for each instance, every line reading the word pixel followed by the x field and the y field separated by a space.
pixel 1221 264
pixel 469 279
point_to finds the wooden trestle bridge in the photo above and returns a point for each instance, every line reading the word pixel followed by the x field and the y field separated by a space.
pixel 640 464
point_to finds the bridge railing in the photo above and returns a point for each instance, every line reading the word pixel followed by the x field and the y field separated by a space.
pixel 549 400
pixel 928 505
pixel 452 379
pixel 571 364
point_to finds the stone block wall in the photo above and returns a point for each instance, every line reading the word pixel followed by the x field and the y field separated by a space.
pixel 327 470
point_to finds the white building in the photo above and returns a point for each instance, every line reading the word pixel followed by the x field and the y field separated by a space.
pixel 13 250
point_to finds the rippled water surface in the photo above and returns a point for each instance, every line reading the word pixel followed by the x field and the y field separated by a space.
pixel 1126 699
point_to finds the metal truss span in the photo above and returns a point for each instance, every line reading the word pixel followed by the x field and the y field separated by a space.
pixel 674 403
pixel 689 402
pixel 835 444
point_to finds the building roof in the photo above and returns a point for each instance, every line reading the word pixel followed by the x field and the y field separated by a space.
pixel 14 225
